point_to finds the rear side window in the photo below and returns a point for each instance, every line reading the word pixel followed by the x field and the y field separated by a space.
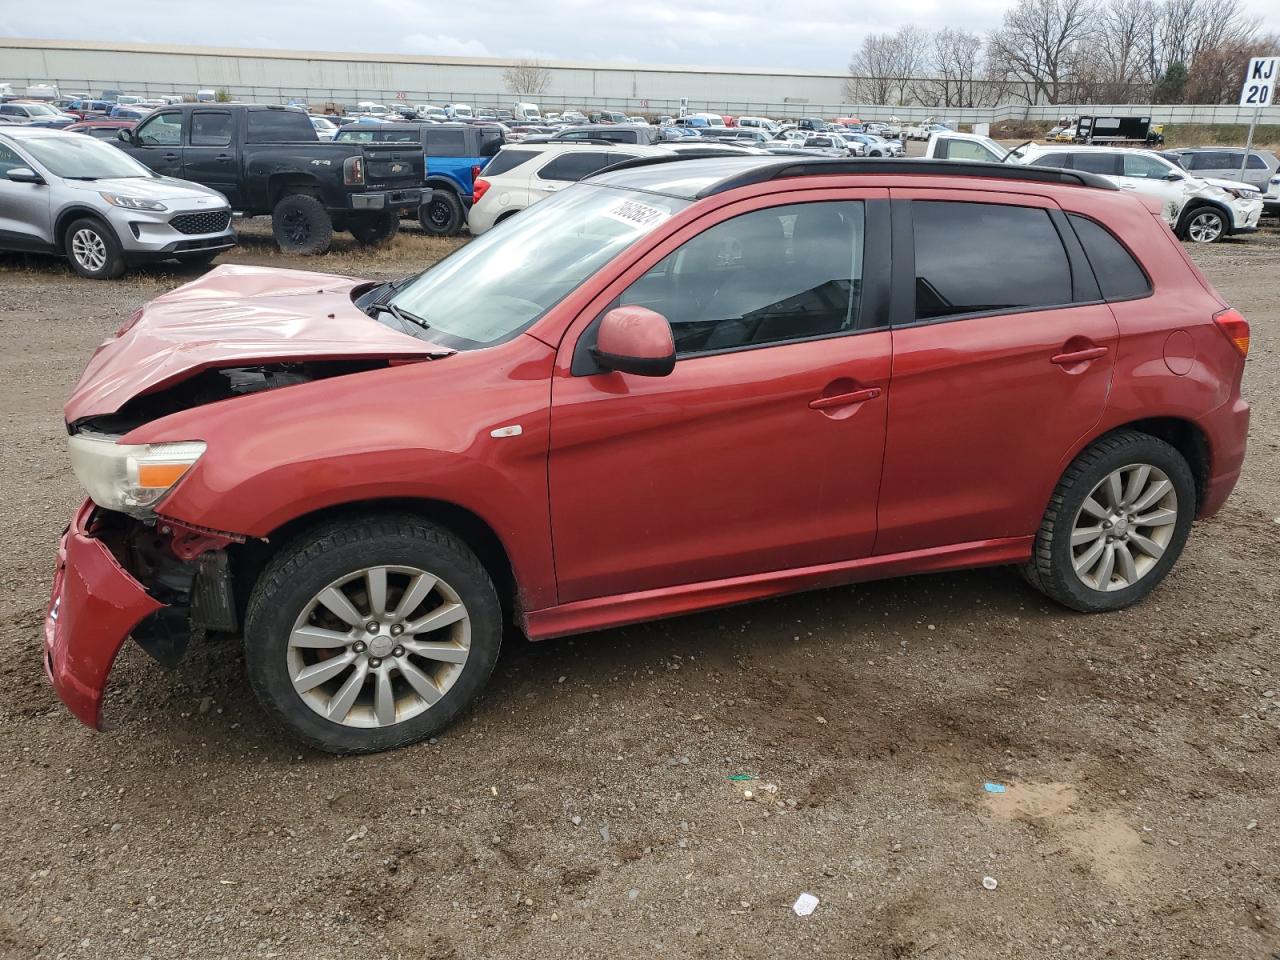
pixel 1119 276
pixel 1053 160
pixel 985 258
pixel 210 128
pixel 1107 164
pixel 447 142
pixel 278 126
pixel 508 160
pixel 574 166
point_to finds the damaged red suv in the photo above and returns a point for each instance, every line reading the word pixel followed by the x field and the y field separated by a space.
pixel 674 386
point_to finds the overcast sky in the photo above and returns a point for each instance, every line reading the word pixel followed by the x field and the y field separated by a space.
pixel 811 35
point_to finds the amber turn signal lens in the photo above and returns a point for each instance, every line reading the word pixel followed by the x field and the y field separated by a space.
pixel 160 476
pixel 1235 328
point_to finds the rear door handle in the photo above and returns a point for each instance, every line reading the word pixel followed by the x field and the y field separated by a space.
pixel 170 156
pixel 844 399
pixel 223 157
pixel 1078 356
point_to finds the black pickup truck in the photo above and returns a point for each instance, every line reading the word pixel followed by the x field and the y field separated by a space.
pixel 267 160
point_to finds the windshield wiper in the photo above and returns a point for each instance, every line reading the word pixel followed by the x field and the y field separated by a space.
pixel 401 314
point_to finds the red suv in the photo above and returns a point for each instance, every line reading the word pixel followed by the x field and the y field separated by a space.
pixel 674 386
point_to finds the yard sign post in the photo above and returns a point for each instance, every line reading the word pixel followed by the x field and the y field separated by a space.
pixel 1258 90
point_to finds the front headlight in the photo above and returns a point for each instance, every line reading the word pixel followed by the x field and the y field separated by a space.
pixel 1241 193
pixel 130 478
pixel 133 203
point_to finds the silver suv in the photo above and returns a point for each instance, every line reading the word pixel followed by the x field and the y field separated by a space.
pixel 71 195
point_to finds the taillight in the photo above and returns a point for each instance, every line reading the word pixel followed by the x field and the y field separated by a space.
pixel 1236 329
pixel 479 189
pixel 353 171
pixel 475 171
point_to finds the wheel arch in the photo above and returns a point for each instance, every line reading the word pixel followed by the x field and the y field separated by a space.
pixel 1195 204
pixel 477 533
pixel 1182 434
pixel 280 185
pixel 75 212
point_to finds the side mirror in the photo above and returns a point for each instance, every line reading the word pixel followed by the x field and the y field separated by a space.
pixel 635 340
pixel 1173 175
pixel 24 175
pixel 124 135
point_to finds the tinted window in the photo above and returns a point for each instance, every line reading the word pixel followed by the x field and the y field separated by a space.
pixel 508 160
pixel 162 130
pixel 210 129
pixel 491 141
pixel 772 275
pixel 278 126
pixel 1119 276
pixel 354 136
pixel 1104 163
pixel 1213 160
pixel 399 136
pixel 1148 168
pixel 980 257
pixel 448 142
pixel 573 166
pixel 1053 160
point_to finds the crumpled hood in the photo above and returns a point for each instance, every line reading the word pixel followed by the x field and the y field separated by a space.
pixel 235 316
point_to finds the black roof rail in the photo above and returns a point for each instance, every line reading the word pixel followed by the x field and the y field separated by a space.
pixel 698 154
pixel 944 168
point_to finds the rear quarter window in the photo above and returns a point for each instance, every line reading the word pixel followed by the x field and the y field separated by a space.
pixel 446 142
pixel 1118 273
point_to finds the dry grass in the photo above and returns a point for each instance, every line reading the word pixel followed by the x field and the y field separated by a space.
pixel 408 250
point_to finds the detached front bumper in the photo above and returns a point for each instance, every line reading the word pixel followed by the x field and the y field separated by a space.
pixel 95 605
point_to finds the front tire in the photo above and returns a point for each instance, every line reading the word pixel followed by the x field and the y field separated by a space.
pixel 442 215
pixel 371 633
pixel 93 249
pixel 301 225
pixel 1116 524
pixel 1204 225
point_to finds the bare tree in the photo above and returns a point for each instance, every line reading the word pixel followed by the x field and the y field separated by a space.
pixel 1182 30
pixel 1040 45
pixel 527 78
pixel 872 71
pixel 957 60
pixel 1114 64
pixel 1216 73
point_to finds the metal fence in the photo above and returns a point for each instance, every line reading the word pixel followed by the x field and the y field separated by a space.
pixel 348 97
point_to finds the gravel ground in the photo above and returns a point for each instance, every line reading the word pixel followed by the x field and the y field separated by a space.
pixel 589 805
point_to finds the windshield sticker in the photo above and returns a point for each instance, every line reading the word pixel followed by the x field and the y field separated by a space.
pixel 637 214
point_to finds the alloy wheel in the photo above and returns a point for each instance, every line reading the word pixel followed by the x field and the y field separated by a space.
pixel 296 227
pixel 1123 527
pixel 89 249
pixel 1205 227
pixel 379 646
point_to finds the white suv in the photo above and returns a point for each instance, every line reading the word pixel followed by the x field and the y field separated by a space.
pixel 520 175
pixel 1196 209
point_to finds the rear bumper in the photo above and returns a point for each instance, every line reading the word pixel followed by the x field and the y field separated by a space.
pixel 387 199
pixel 1228 431
pixel 94 607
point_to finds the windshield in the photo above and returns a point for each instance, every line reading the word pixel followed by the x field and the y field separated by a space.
pixel 83 158
pixel 40 110
pixel 500 283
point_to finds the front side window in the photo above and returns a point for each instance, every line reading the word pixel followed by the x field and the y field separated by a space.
pixel 986 258
pixel 785 273
pixel 162 130
pixel 210 128
pixel 1146 168
pixel 967 150
pixel 9 159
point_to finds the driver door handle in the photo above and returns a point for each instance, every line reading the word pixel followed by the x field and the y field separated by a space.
pixel 170 156
pixel 844 399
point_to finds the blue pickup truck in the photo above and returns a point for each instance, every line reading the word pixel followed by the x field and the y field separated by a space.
pixel 455 155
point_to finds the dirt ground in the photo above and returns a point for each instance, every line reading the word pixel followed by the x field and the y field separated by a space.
pixel 588 806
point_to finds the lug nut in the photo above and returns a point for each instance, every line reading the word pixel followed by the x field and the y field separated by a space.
pixel 372 626
pixel 358 646
pixel 396 629
pixel 375 662
pixel 1106 524
pixel 398 652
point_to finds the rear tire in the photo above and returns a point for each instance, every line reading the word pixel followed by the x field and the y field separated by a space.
pixel 428 673
pixel 374 228
pixel 301 225
pixel 442 215
pixel 1116 524
pixel 93 249
pixel 1203 225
